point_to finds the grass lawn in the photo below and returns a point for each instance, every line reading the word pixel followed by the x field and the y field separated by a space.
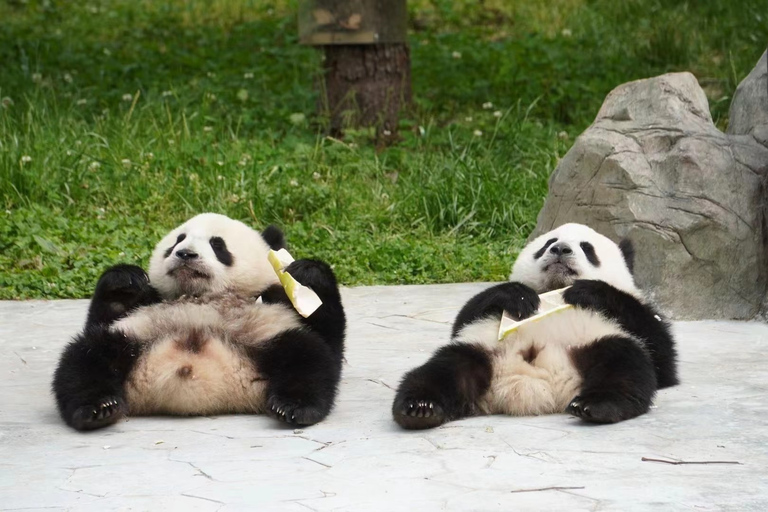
pixel 119 119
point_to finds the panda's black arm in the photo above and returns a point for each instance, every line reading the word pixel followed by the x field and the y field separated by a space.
pixel 88 383
pixel 329 320
pixel 120 289
pixel 638 319
pixel 517 299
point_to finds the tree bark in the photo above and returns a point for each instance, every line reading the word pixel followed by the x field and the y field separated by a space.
pixel 366 85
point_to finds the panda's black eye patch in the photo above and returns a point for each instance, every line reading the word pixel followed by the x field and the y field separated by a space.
pixel 589 252
pixel 179 239
pixel 219 247
pixel 541 251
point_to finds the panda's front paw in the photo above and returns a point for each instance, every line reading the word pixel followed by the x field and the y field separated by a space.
pixel 415 414
pixel 314 274
pixel 518 300
pixel 294 412
pixel 588 294
pixel 103 413
pixel 605 407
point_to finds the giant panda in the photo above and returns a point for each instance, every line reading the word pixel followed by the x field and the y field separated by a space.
pixel 208 331
pixel 601 361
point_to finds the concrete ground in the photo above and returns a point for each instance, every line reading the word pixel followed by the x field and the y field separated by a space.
pixel 358 459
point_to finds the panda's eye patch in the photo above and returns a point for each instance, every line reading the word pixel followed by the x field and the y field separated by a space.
pixel 179 239
pixel 219 247
pixel 541 251
pixel 217 243
pixel 589 252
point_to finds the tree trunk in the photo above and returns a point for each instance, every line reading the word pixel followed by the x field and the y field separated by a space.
pixel 366 85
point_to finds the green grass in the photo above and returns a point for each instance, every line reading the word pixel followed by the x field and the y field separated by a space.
pixel 120 119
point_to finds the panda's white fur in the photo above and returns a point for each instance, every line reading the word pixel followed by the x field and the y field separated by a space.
pixel 193 361
pixel 533 372
pixel 249 274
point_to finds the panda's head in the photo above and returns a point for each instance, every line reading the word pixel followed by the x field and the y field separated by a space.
pixel 574 251
pixel 212 253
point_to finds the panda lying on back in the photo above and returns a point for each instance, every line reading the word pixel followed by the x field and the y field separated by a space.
pixel 601 361
pixel 191 338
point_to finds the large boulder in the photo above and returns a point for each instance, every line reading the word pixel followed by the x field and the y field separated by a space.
pixel 654 168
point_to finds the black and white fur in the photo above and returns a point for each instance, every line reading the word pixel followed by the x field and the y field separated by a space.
pixel 190 338
pixel 601 361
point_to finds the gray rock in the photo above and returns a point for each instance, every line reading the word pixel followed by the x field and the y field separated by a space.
pixel 653 167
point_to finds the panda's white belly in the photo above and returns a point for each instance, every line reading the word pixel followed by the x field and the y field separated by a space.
pixel 533 372
pixel 213 379
pixel 193 359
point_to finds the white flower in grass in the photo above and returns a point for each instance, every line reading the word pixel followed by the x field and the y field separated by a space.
pixel 126 163
pixel 563 135
pixel 127 97
pixel 487 105
pixel 37 78
pixel 248 76
pixel 107 52
pixel 422 131
pixel 220 163
pixel 150 156
pixel 165 94
pixel 82 102
pixel 68 78
pixel 477 133
pixel 497 113
pixel 207 129
pixel 210 96
pixel 211 74
pixel 468 119
pixel 456 55
pixel 242 95
pixel 219 177
pixel 25 159
pixel 94 166
pixel 171 142
pixel 297 118
pixel 6 102
pixel 316 175
pixel 70 152
pixel 566 32
pixel 294 183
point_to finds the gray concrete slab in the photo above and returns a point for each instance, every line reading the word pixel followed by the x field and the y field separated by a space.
pixel 359 460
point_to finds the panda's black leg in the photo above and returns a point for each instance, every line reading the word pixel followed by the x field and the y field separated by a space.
pixel 634 317
pixel 89 381
pixel 328 320
pixel 119 290
pixel 302 372
pixel 517 299
pixel 619 382
pixel 446 387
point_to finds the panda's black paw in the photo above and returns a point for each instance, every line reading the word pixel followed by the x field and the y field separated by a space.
pixel 604 407
pixel 314 274
pixel 588 294
pixel 102 414
pixel 418 414
pixel 518 300
pixel 295 413
pixel 120 289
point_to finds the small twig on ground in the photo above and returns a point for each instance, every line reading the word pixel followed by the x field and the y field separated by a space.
pixel 22 359
pixel 382 383
pixel 681 462
pixel 548 489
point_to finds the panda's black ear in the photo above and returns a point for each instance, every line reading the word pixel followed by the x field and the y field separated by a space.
pixel 274 238
pixel 628 250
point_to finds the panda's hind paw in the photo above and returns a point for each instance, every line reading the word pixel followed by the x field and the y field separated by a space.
pixel 295 413
pixel 418 414
pixel 104 413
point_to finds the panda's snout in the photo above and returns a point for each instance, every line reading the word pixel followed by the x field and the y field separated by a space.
pixel 186 254
pixel 560 249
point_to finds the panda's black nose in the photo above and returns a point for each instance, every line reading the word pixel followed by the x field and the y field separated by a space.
pixel 186 254
pixel 560 249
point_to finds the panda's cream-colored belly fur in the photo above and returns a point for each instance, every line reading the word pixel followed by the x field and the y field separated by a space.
pixel 533 372
pixel 193 356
